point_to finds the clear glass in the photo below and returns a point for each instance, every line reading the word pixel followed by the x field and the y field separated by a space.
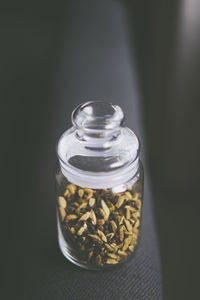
pixel 99 180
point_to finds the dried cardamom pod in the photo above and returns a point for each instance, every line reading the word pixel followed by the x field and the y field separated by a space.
pixel 128 225
pixel 70 217
pixel 109 248
pixel 127 242
pixel 102 212
pixel 131 248
pixel 138 203
pixel 106 209
pixel 122 253
pixel 89 193
pixel 92 202
pixel 112 255
pixel 120 246
pixel 136 214
pixel 114 246
pixel 132 209
pixel 95 238
pixel 62 212
pixel 81 206
pixel 120 201
pixel 102 235
pixel 121 220
pixel 93 217
pixel 121 233
pixel 114 226
pixel 110 235
pixel 82 229
pixel 128 196
pixel 135 230
pixel 67 193
pixel 137 223
pixel 111 261
pixel 85 216
pixel 132 221
pixel 81 192
pixel 128 213
pixel 72 188
pixel 62 202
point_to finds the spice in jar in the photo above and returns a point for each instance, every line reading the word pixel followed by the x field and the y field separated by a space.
pixel 101 226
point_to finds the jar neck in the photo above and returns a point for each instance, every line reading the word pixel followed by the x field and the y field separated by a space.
pixel 97 140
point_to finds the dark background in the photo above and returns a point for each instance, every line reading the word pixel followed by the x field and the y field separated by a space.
pixel 164 45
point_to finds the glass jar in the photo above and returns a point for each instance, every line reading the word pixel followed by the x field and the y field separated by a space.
pixel 99 183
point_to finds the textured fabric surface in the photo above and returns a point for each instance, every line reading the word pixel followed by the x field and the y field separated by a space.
pixel 95 64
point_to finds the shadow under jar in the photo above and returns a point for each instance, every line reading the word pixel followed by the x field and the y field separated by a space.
pixel 99 184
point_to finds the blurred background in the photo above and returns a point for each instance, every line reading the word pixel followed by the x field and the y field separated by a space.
pixel 162 42
pixel 165 36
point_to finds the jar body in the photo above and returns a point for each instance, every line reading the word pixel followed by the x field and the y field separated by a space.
pixel 99 228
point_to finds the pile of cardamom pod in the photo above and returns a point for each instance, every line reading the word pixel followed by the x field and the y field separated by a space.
pixel 101 226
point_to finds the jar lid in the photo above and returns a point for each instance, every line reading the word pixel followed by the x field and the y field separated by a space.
pixel 98 151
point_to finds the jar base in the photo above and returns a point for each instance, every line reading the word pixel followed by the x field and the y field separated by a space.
pixel 65 251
